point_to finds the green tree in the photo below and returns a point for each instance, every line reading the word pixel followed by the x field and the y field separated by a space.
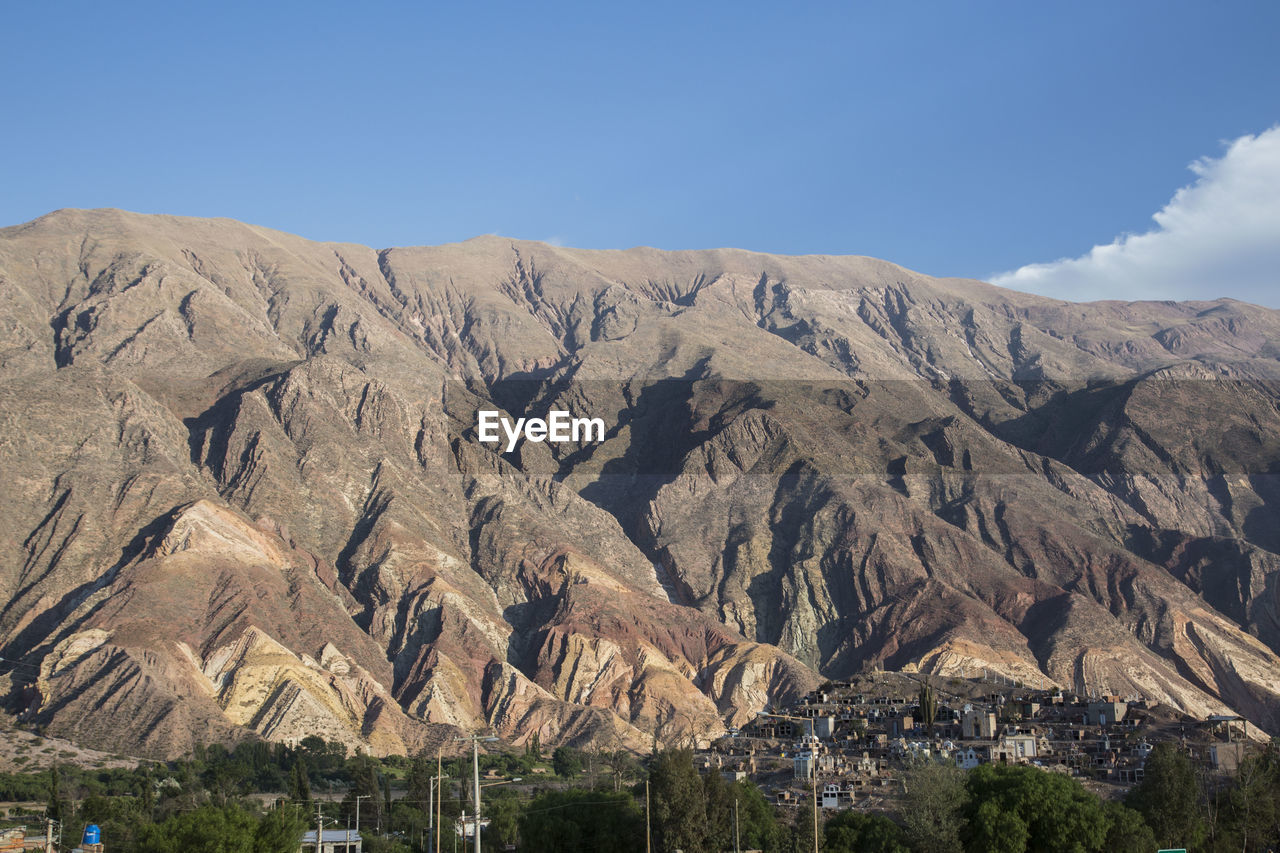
pixel 418 781
pixel 933 812
pixel 1015 808
pixel 802 837
pixel 299 782
pixel 367 786
pixel 1128 832
pixel 758 825
pixel 1249 808
pixel 991 829
pixel 578 821
pixel 57 807
pixel 279 831
pixel 502 809
pixel 1168 798
pixel 374 844
pixel 120 819
pixel 928 705
pixel 718 797
pixel 857 832
pixel 566 761
pixel 678 802
pixel 623 767
pixel 208 829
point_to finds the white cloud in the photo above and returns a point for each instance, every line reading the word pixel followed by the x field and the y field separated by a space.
pixel 1218 236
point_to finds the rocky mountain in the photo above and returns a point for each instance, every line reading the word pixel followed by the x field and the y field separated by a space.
pixel 244 491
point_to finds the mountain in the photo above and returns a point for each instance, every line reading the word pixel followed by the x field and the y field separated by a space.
pixel 245 491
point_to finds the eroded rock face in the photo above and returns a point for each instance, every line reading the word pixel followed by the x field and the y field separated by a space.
pixel 244 492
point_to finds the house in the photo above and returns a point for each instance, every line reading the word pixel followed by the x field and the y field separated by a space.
pixel 1105 712
pixel 824 726
pixel 978 725
pixel 1226 756
pixel 331 841
pixel 967 759
pixel 836 796
pixel 1130 775
pixel 1015 749
pixel 866 766
pixel 804 761
pixel 802 765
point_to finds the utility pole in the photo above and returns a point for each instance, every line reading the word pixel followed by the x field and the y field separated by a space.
pixel 815 801
pixel 737 842
pixel 359 797
pixel 319 826
pixel 435 793
pixel 439 797
pixel 475 777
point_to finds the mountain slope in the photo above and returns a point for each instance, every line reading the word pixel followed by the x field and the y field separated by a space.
pixel 246 491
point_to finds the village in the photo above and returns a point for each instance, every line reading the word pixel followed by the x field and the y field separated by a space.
pixel 858 737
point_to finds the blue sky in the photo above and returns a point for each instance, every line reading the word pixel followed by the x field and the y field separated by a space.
pixel 956 138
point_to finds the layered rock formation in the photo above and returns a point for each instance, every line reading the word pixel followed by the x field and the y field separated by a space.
pixel 244 491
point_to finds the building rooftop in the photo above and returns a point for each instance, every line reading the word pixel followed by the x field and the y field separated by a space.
pixel 330 836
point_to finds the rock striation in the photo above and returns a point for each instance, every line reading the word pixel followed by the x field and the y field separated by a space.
pixel 244 494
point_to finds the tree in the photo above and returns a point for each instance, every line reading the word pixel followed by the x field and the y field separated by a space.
pixel 208 829
pixel 928 706
pixel 365 784
pixel 1249 808
pixel 418 782
pixel 120 818
pixel 376 844
pixel 622 767
pixel 802 836
pixel 1128 832
pixel 566 761
pixel 758 825
pixel 991 829
pixel 1016 808
pixel 279 831
pixel 856 832
pixel 300 782
pixel 718 797
pixel 502 809
pixel 934 806
pixel 1168 797
pixel 57 807
pixel 586 821
pixel 678 802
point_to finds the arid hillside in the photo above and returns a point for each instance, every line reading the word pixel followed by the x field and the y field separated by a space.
pixel 243 490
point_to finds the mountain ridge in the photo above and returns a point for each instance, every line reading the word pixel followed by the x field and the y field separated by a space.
pixel 831 461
